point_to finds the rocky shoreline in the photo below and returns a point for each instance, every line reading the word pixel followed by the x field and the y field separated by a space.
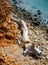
pixel 11 51
pixel 35 19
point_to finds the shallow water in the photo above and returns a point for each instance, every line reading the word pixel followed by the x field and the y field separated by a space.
pixel 34 5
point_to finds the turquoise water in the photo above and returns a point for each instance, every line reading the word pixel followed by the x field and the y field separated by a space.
pixel 34 5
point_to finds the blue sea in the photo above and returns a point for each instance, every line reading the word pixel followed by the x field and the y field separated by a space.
pixel 34 5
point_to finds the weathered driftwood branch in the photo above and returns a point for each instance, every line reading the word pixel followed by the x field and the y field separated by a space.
pixel 32 49
pixel 25 31
pixel 24 28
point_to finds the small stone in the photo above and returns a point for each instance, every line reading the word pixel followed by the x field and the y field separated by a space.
pixel 47 57
pixel 1 36
pixel 19 64
pixel 10 59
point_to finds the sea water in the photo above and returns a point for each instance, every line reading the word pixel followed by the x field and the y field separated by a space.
pixel 34 5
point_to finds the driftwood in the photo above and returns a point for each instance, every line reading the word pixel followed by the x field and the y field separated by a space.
pixel 24 28
pixel 25 31
pixel 32 49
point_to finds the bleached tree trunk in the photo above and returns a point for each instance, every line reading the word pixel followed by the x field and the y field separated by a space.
pixel 24 28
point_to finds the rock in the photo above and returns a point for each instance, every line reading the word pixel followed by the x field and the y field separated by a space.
pixel 34 19
pixel 9 35
pixel 35 15
pixel 1 35
pixel 19 64
pixel 36 23
pixel 47 57
pixel 10 59
pixel 9 32
pixel 47 31
pixel 5 10
pixel 39 12
pixel 14 1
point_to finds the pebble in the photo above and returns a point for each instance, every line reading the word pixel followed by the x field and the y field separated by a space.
pixel 47 57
